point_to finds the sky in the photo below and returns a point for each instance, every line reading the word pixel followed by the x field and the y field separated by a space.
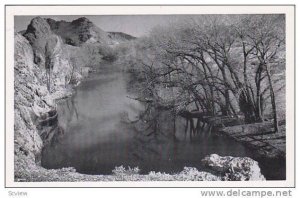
pixel 135 25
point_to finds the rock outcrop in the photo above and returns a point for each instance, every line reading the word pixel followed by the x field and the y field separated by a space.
pixel 30 99
pixel 79 31
pixel 38 33
pixel 33 101
pixel 234 168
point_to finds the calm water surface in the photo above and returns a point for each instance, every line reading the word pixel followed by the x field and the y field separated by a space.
pixel 97 136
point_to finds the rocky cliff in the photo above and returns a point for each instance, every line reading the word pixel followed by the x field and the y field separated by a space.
pixel 34 95
pixel 30 99
pixel 51 57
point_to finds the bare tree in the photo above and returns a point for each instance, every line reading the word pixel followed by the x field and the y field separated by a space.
pixel 51 54
pixel 219 65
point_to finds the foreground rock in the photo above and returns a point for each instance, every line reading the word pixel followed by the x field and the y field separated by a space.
pixel 234 168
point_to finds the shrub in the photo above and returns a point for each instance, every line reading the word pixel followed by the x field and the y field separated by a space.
pixel 121 170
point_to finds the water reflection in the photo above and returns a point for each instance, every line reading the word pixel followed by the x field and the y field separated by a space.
pixel 101 127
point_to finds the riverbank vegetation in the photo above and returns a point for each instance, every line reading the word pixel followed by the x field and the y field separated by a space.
pixel 215 66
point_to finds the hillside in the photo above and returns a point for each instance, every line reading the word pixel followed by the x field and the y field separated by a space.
pixel 120 37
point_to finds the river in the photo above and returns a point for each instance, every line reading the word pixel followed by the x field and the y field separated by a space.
pixel 97 137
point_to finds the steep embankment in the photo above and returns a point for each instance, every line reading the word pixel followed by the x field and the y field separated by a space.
pixel 30 101
pixel 35 95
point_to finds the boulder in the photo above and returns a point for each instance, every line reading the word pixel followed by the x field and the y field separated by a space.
pixel 234 168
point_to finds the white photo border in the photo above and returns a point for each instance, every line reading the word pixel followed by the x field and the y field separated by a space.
pixel 19 10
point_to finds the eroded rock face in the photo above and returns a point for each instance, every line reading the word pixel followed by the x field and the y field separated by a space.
pixel 79 31
pixel 234 168
pixel 29 96
pixel 32 100
pixel 37 29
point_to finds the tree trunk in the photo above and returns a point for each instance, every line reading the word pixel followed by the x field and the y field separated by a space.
pixel 226 110
pixel 258 111
pixel 272 100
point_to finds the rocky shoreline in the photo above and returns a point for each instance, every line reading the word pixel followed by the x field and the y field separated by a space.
pixel 221 169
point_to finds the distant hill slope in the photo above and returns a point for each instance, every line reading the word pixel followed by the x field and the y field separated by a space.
pixel 120 36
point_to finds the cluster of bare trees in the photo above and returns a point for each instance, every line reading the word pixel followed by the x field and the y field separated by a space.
pixel 229 65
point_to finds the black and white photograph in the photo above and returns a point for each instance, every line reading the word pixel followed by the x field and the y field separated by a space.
pixel 188 97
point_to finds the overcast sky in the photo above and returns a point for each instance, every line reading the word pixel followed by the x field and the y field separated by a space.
pixel 136 25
